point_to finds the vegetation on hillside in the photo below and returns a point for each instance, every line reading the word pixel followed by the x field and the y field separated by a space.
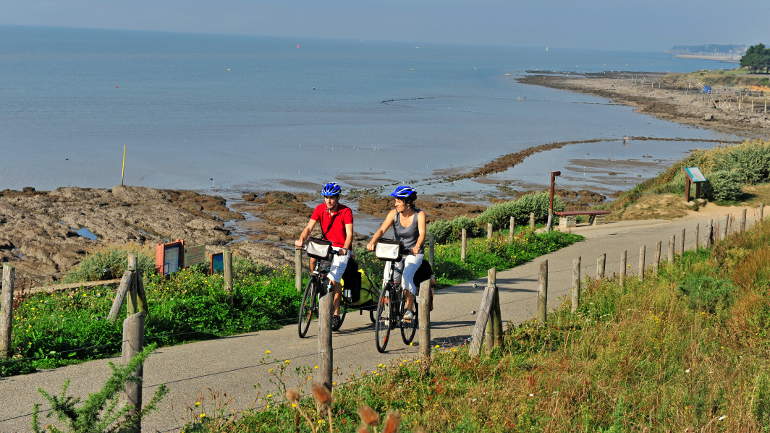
pixel 685 350
pixel 727 169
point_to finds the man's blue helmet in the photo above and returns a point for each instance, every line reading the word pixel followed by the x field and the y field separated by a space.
pixel 405 193
pixel 330 189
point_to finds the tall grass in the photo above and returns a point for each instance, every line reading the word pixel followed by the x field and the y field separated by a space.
pixel 108 261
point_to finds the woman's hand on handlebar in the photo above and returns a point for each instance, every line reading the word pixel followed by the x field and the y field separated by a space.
pixel 370 246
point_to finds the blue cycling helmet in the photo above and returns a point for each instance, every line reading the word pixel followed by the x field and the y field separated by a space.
pixel 405 193
pixel 330 189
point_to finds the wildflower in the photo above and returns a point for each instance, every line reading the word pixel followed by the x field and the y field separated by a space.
pixel 369 416
pixel 267 352
pixel 322 394
pixel 203 415
pixel 287 361
pixel 197 403
pixel 391 422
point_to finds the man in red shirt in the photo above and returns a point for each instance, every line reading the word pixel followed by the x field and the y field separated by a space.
pixel 336 222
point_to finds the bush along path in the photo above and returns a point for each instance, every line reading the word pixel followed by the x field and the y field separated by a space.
pixel 51 330
pixel 685 349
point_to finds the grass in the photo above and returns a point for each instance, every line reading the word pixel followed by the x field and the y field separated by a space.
pixel 51 330
pixel 683 351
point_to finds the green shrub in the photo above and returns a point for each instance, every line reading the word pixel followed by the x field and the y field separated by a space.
pixel 471 226
pixel 538 203
pixel 706 293
pixel 442 231
pixel 109 262
pixel 723 185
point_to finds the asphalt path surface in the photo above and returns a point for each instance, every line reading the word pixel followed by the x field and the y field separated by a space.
pixel 235 364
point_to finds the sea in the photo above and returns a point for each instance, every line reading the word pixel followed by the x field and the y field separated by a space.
pixel 234 114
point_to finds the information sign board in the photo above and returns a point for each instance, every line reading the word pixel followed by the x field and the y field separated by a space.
pixel 694 174
pixel 169 258
pixel 217 263
pixel 194 255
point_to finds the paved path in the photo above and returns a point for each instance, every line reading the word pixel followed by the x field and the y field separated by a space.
pixel 232 364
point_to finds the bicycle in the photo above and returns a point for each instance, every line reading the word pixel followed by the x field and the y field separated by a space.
pixel 392 306
pixel 317 286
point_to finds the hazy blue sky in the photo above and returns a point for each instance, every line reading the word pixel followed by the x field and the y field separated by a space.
pixel 603 24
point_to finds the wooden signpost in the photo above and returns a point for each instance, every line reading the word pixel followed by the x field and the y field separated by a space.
pixel 692 175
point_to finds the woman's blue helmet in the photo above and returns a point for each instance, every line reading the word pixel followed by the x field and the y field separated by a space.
pixel 405 193
pixel 330 189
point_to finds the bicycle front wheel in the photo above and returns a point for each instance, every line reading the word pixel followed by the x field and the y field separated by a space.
pixel 306 309
pixel 384 319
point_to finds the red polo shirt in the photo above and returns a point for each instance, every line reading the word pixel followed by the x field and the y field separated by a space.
pixel 337 232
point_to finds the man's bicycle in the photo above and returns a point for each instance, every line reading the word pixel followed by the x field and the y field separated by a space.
pixel 318 285
pixel 392 304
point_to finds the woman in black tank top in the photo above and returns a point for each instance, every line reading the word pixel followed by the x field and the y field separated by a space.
pixel 409 227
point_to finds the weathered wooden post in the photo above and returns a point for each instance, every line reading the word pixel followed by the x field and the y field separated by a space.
pixel 623 266
pixel 600 262
pixel 463 245
pixel 697 237
pixel 727 226
pixel 642 253
pixel 431 251
pixel 120 295
pixel 489 333
pixel 681 243
pixel 424 321
pixel 510 234
pixel 227 259
pixel 481 322
pixel 325 350
pixel 743 221
pixel 671 242
pixel 657 259
pixel 542 294
pixel 489 230
pixel 761 211
pixel 6 310
pixel 298 268
pixel 532 220
pixel 133 343
pixel 710 234
pixel 132 300
pixel 575 285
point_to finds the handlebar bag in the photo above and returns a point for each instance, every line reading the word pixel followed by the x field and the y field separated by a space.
pixel 318 248
pixel 388 249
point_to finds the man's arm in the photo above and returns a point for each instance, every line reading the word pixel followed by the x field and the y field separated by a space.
pixel 348 236
pixel 305 233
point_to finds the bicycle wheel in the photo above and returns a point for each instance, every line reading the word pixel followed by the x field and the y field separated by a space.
pixel 408 328
pixel 306 309
pixel 384 319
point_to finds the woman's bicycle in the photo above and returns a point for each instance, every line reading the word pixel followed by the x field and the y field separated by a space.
pixel 392 304
pixel 317 286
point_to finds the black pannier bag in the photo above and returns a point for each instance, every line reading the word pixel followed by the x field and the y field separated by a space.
pixel 423 273
pixel 351 290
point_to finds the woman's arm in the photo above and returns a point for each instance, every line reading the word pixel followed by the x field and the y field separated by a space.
pixel 385 225
pixel 421 229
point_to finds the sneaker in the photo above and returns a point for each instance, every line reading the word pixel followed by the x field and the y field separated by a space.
pixel 336 323
pixel 408 317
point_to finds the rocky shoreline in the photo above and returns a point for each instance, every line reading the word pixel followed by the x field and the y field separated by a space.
pixel 659 95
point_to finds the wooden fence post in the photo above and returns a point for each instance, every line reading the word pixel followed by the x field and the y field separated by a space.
pixel 727 226
pixel 600 263
pixel 671 242
pixel 489 331
pixel 298 268
pixel 681 243
pixel 227 259
pixel 697 237
pixel 642 253
pixel 510 235
pixel 710 234
pixel 761 211
pixel 532 220
pixel 120 296
pixel 542 294
pixel 743 221
pixel 132 300
pixel 133 343
pixel 431 251
pixel 325 350
pixel 575 285
pixel 463 245
pixel 6 310
pixel 423 317
pixel 623 266
pixel 657 259
pixel 481 322
pixel 489 230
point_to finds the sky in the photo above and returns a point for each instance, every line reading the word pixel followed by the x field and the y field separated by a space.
pixel 650 25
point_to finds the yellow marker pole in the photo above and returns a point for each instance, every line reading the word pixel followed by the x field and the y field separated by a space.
pixel 123 170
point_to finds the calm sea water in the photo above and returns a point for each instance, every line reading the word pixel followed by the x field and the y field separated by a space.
pixel 263 113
